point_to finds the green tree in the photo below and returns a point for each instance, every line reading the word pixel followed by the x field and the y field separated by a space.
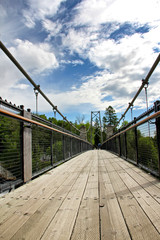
pixel 110 117
pixel 124 123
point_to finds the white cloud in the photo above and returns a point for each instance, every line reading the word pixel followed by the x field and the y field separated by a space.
pixel 93 12
pixel 53 28
pixel 130 53
pixel 122 63
pixel 39 10
pixel 76 41
pixel 128 59
pixel 74 62
pixel 21 86
pixel 35 58
pixel 9 73
pixel 104 89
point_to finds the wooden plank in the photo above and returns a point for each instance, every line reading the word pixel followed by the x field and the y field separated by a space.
pixel 96 195
pixel 23 213
pixel 16 221
pixel 141 172
pixel 147 176
pixel 87 222
pixel 138 223
pixel 148 186
pixel 62 224
pixel 145 200
pixel 36 225
pixel 148 182
pixel 112 222
pixel 31 192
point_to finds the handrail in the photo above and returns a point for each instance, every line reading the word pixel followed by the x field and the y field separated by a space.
pixel 5 112
pixel 155 115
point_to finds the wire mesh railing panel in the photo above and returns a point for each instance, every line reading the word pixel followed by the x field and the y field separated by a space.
pixel 58 153
pixel 67 149
pixel 117 145
pixel 131 145
pixel 31 146
pixel 113 145
pixel 83 146
pixel 109 145
pixel 123 147
pixel 139 141
pixel 147 146
pixel 10 150
pixel 75 147
pixel 41 148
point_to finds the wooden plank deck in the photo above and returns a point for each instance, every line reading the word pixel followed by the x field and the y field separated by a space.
pixel 94 196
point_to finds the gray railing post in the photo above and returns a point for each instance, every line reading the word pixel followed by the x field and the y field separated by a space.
pixel 157 108
pixel 71 147
pixel 51 148
pixel 80 146
pixel 119 141
pixel 125 140
pixel 136 142
pixel 27 147
pixel 63 141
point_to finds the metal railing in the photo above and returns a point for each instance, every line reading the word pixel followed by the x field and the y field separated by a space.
pixel 30 145
pixel 139 141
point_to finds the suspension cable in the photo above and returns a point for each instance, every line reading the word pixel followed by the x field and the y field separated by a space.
pixel 144 82
pixel 36 87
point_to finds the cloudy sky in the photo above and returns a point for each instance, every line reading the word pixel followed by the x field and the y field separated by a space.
pixel 85 54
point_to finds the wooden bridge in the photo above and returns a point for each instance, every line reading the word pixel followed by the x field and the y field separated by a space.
pixel 94 196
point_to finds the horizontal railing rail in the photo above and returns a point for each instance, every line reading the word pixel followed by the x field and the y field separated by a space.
pixel 13 115
pixel 29 148
pixel 155 115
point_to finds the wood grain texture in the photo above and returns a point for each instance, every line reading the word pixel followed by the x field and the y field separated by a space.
pixel 94 196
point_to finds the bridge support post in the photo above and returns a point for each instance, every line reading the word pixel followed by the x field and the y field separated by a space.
pixel 27 147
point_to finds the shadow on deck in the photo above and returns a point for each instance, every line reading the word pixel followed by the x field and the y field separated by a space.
pixel 96 195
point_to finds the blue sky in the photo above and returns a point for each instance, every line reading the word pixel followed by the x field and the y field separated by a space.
pixel 85 55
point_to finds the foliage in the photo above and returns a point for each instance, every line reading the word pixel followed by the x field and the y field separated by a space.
pixel 110 117
pixel 124 123
pixel 147 149
pixel 10 154
pixel 148 152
